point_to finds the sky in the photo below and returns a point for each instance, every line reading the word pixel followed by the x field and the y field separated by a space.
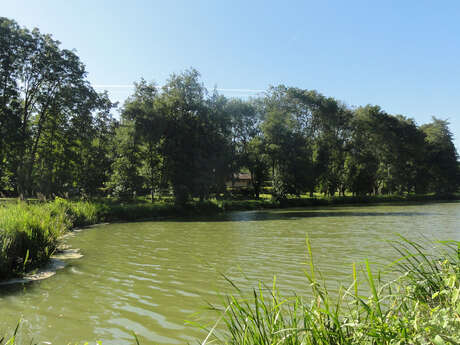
pixel 401 55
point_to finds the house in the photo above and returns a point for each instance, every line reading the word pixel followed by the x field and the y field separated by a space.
pixel 240 180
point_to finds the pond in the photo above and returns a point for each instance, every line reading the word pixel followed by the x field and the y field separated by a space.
pixel 150 277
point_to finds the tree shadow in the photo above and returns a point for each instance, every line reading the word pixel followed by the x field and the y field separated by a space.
pixel 249 216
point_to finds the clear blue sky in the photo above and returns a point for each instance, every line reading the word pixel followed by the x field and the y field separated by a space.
pixel 401 55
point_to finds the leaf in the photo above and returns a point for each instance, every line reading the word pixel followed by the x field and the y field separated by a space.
pixel 135 338
pixel 451 281
pixel 438 340
pixel 26 260
pixel 455 295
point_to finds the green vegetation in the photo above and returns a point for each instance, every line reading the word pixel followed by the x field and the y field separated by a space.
pixel 180 143
pixel 29 233
pixel 57 137
pixel 420 307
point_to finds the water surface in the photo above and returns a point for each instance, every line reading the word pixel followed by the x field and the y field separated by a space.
pixel 149 277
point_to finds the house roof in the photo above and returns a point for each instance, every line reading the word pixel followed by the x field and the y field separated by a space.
pixel 243 176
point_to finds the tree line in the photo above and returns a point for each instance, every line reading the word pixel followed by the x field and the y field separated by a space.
pixel 57 136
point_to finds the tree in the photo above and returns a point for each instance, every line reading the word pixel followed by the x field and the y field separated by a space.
pixel 248 149
pixel 441 157
pixel 257 162
pixel 290 155
pixel 126 181
pixel 196 135
pixel 407 155
pixel 362 162
pixel 92 145
pixel 43 86
pixel 331 133
pixel 11 46
pixel 288 133
pixel 142 109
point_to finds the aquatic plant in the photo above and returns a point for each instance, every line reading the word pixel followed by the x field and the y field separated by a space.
pixel 29 232
pixel 420 307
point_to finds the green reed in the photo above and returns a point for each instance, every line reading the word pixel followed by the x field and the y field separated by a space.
pixel 29 233
pixel 422 306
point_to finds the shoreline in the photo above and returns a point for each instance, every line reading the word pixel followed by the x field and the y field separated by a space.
pixel 60 217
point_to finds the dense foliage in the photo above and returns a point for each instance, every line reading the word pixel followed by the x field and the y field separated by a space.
pixel 57 136
pixel 54 127
pixel 29 233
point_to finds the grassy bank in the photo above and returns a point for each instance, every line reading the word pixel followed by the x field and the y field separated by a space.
pixel 266 203
pixel 29 232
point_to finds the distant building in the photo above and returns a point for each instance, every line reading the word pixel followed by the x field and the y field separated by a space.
pixel 240 180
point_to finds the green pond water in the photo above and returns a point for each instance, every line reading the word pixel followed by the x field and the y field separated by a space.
pixel 150 277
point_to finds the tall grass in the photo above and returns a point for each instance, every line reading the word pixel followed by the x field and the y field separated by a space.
pixel 29 233
pixel 420 307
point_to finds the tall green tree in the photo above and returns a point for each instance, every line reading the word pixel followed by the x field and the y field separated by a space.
pixel 362 160
pixel 93 143
pixel 43 87
pixel 287 130
pixel 290 155
pixel 126 180
pixel 11 51
pixel 441 157
pixel 142 108
pixel 248 149
pixel 195 141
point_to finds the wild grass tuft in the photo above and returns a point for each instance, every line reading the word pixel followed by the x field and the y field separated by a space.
pixel 420 307
pixel 29 233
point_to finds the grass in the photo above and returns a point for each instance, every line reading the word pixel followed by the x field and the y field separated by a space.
pixel 29 233
pixel 305 201
pixel 420 307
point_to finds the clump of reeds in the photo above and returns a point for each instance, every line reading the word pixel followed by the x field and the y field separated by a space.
pixel 29 233
pixel 420 307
